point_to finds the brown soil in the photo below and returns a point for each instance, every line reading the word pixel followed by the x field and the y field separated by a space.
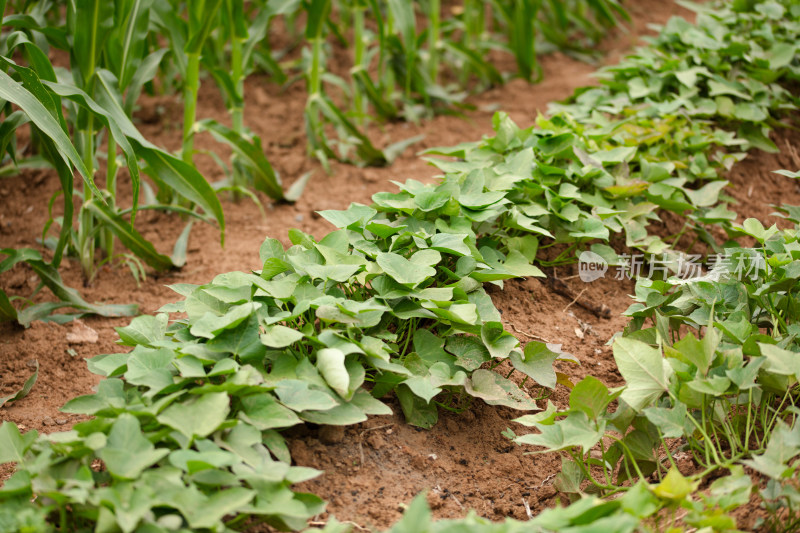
pixel 373 469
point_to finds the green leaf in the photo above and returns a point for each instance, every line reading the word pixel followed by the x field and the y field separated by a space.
pixel 185 180
pixel 573 431
pixel 263 412
pixel 404 271
pixel 26 388
pixel 199 417
pixel 151 368
pixel 417 411
pixel 494 389
pixel 330 363
pixel 129 237
pixel 757 136
pixel 128 452
pixel 318 11
pixel 707 195
pixel 499 343
pixel 146 71
pixel 13 446
pixel 95 18
pixel 732 491
pixel 145 330
pixel 470 352
pixel 675 486
pixel 713 386
pixel 755 229
pixel 209 512
pixel 417 517
pixel 780 361
pixel 591 397
pixel 546 417
pixel 110 393
pixel 128 38
pixel 615 155
pixel 647 374
pixel 280 336
pixel 452 243
pixel 365 149
pixel 7 311
pixel 787 173
pixel 344 414
pixel 639 501
pixel 536 361
pixel 297 396
pixel 749 112
pixel 201 23
pixel 50 277
pixel 250 153
pixel 783 446
pixel 15 93
pixel 695 352
pixel 210 325
pixel 109 120
pixel 295 190
pixel 672 423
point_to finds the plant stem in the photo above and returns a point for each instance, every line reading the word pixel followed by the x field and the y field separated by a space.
pixel 111 186
pixel 358 61
pixel 191 86
pixel 86 228
pixel 388 80
pixel 434 35
pixel 748 425
pixel 666 449
pixel 315 76
pixel 237 109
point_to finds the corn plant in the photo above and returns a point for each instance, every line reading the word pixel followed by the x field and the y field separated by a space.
pixel 249 166
pixel 92 106
pixel 412 61
pixel 320 110
pixel 215 35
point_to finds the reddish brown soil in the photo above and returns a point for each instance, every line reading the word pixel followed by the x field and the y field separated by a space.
pixel 373 469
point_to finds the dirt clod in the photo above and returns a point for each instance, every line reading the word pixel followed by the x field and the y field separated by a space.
pixel 331 434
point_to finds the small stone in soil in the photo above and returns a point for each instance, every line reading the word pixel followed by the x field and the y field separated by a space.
pixel 82 334
pixel 47 421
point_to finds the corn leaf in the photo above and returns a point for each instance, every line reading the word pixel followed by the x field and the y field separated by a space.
pixel 251 154
pixel 129 237
pixel 35 100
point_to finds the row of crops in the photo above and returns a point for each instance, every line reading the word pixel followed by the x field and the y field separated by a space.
pixel 186 427
pixel 407 60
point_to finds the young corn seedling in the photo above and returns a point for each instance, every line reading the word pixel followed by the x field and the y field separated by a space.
pixel 94 110
pixel 249 165
pixel 320 109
